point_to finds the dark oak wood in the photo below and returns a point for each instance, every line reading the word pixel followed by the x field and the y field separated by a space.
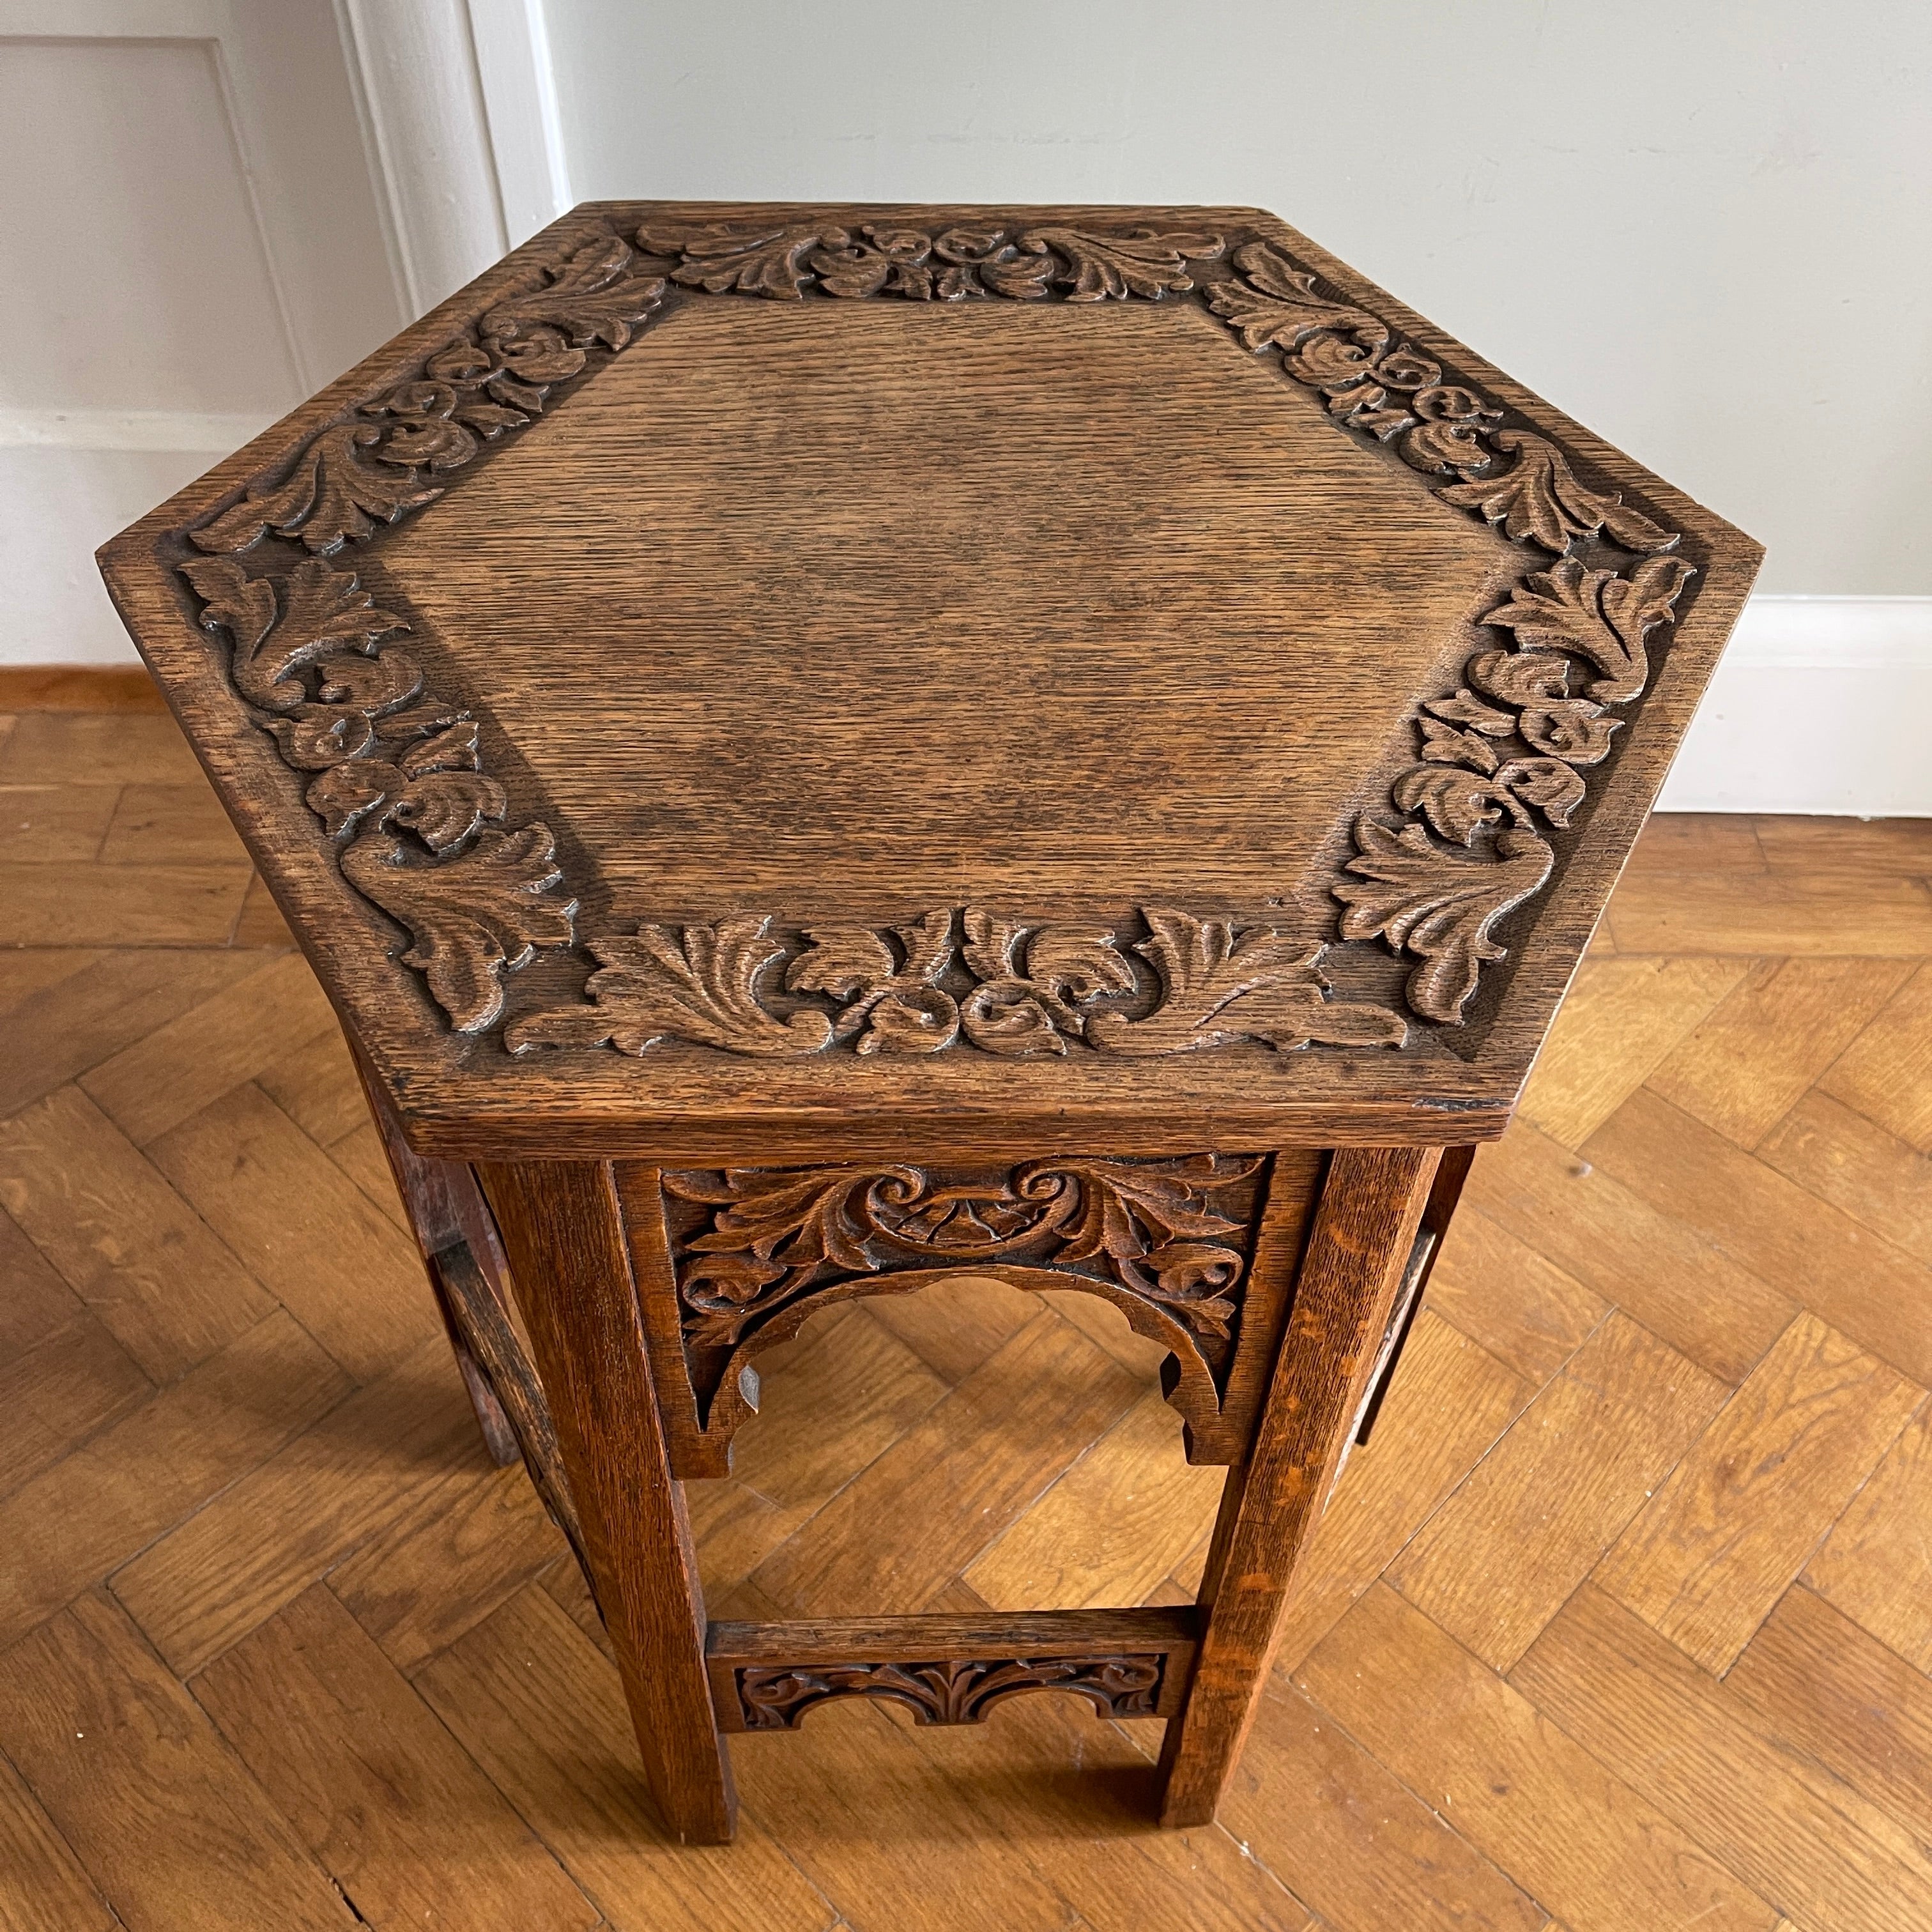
pixel 561 1226
pixel 815 749
pixel 1357 1251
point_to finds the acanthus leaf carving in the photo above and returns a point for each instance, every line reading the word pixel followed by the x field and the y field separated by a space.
pixel 472 917
pixel 592 298
pixel 1276 304
pixel 1598 615
pixel 947 1691
pixel 901 1009
pixel 1437 904
pixel 760 260
pixel 1147 1228
pixel 329 498
pixel 694 982
pixel 1538 499
pixel 1220 983
pixel 1033 982
pixel 327 612
pixel 1110 268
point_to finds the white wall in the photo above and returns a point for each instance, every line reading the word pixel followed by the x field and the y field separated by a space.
pixel 190 244
pixel 1705 230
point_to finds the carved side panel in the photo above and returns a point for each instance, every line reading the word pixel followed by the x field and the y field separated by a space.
pixel 1198 1251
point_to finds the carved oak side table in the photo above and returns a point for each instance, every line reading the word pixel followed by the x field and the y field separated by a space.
pixel 811 747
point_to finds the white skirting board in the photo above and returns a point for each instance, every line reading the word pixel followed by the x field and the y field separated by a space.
pixel 1821 704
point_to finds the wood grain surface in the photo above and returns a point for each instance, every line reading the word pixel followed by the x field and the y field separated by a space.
pixel 945 671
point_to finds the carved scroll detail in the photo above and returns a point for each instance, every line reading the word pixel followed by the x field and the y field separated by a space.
pixel 1512 748
pixel 398 780
pixel 956 1691
pixel 1009 989
pixel 773 1234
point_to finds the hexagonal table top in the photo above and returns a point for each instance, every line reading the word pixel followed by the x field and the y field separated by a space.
pixel 788 674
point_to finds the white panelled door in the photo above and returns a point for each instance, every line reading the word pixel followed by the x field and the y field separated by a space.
pixel 192 240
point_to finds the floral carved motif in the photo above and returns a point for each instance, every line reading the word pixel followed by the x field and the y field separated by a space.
pixel 1007 988
pixel 1511 746
pixel 957 1691
pixel 398 778
pixel 753 1249
pixel 398 783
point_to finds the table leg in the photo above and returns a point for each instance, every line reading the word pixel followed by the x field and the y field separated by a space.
pixel 561 1227
pixel 1364 1229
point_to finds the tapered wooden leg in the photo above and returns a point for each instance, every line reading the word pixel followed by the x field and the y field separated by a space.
pixel 1364 1230
pixel 561 1227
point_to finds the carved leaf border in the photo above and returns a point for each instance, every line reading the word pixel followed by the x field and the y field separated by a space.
pixel 397 771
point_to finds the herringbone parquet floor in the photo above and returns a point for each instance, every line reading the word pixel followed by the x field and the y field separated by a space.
pixel 1623 1623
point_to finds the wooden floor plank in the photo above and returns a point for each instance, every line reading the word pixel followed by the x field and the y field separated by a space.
pixel 304 1229
pixel 27 970
pixel 1730 912
pixel 1871 1175
pixel 173 1829
pixel 119 905
pixel 954 1326
pixel 1592 1847
pixel 86 1017
pixel 174 1071
pixel 1817 1684
pixel 957 1478
pixel 1620 1018
pixel 43 1887
pixel 1527 1311
pixel 361 1157
pixel 1850 1277
pixel 1697 842
pixel 1349 1838
pixel 124 1241
pixel 1898 848
pixel 1886 1074
pixel 383 1797
pixel 1749 1062
pixel 839 1398
pixel 1448 1404
pixel 315 1083
pixel 1877 1563
pixel 84 748
pixel 261 923
pixel 116 1494
pixel 1837 1864
pixel 1496 1562
pixel 1666 1275
pixel 539 1707
pixel 1724 1536
pixel 1112 1527
pixel 55 1396
pixel 1072 1794
pixel 468 1544
pixel 296 1514
pixel 171 825
pixel 37 1301
pixel 57 824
